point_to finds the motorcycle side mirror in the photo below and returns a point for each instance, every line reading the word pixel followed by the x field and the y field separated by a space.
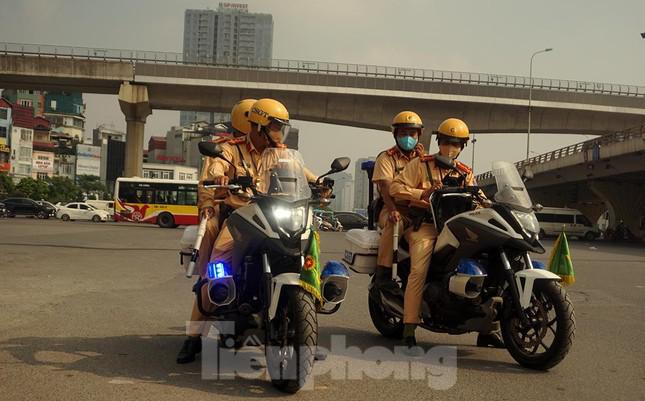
pixel 210 149
pixel 527 175
pixel 445 162
pixel 339 164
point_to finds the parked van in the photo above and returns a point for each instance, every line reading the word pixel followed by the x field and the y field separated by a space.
pixel 554 219
pixel 107 205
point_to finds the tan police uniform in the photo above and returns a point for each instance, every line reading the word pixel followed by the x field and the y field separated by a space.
pixel 223 248
pixel 420 174
pixel 206 198
pixel 388 165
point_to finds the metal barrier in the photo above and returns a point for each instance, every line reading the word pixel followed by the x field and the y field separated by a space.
pixel 592 144
pixel 318 67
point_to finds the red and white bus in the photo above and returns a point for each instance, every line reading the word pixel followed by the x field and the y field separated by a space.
pixel 168 203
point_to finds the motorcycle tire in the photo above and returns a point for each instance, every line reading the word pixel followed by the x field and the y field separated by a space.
pixel 547 296
pixel 300 308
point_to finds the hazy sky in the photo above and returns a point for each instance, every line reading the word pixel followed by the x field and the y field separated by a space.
pixel 592 40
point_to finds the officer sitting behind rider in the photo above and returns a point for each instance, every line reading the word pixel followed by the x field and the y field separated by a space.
pixel 407 128
pixel 418 180
pixel 269 120
pixel 208 203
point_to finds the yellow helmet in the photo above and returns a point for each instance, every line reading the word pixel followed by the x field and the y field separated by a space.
pixel 406 119
pixel 265 111
pixel 454 130
pixel 240 115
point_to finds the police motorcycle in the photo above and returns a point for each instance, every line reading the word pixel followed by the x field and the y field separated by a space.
pixel 263 291
pixel 481 275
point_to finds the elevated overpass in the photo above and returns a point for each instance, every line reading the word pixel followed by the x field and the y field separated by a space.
pixel 606 173
pixel 347 94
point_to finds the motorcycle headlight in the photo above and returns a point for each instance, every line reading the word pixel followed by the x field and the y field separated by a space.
pixel 528 221
pixel 291 219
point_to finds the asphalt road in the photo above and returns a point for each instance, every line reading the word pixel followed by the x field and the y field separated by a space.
pixel 97 311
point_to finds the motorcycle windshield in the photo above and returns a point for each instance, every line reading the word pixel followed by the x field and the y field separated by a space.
pixel 511 190
pixel 281 173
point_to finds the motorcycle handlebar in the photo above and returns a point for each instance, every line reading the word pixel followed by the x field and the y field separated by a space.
pixel 458 190
pixel 212 185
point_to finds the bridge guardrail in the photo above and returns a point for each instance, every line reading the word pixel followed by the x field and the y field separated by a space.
pixel 592 144
pixel 318 67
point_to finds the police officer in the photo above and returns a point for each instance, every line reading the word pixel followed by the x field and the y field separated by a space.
pixel 420 178
pixel 407 128
pixel 269 120
pixel 209 202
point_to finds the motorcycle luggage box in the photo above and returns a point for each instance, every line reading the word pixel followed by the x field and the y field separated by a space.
pixel 187 243
pixel 361 249
pixel 188 237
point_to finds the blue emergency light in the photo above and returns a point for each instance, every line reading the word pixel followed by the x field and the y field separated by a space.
pixel 217 270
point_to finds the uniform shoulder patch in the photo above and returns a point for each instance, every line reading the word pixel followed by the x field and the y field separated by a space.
pixel 222 138
pixel 392 151
pixel 426 158
pixel 236 141
pixel 464 168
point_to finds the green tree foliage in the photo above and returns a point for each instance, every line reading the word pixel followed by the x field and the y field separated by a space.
pixel 34 189
pixel 6 185
pixel 91 184
pixel 62 189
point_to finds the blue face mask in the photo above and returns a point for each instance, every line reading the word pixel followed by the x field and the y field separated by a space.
pixel 406 143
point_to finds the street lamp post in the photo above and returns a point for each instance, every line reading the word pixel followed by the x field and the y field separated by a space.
pixel 528 132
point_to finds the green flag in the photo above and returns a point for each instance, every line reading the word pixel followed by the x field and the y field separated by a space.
pixel 560 261
pixel 310 273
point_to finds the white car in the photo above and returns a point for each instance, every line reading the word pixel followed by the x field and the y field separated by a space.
pixel 81 211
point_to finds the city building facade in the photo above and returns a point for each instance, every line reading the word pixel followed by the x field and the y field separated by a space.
pixel 21 141
pixel 169 172
pixel 361 185
pixel 344 192
pixel 230 35
pixel 66 113
pixel 5 135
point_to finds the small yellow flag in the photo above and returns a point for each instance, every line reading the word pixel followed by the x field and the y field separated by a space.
pixel 560 260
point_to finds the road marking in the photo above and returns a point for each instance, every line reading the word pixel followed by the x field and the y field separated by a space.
pixel 120 381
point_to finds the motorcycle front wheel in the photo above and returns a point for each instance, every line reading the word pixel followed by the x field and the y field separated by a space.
pixel 549 337
pixel 290 360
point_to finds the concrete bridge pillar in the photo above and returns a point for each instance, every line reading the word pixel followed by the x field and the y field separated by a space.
pixel 625 201
pixel 135 105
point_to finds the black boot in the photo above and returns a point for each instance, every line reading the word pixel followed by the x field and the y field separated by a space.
pixel 192 346
pixel 410 346
pixel 490 340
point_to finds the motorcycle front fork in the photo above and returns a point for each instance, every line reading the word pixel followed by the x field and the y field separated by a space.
pixel 510 279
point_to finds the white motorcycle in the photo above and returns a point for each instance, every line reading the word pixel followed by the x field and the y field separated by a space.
pixel 481 275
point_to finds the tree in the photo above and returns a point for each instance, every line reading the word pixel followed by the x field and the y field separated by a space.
pixel 6 185
pixel 62 189
pixel 91 184
pixel 34 189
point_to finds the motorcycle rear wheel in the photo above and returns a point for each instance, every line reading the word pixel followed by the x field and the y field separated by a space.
pixel 553 331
